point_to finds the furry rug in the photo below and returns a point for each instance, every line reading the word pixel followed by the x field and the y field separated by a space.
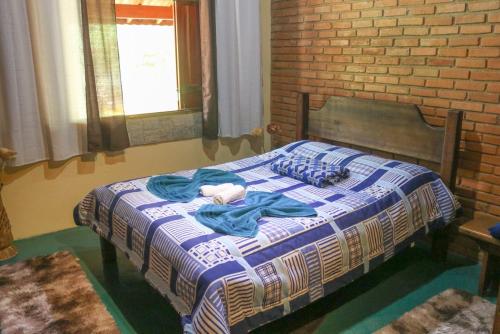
pixel 452 311
pixel 50 294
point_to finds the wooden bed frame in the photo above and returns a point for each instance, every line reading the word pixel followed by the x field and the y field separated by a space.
pixel 395 128
pixel 391 127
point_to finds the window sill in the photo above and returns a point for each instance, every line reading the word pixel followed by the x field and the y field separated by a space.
pixel 161 127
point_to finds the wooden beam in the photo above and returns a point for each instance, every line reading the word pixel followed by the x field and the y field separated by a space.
pixel 302 116
pixel 143 12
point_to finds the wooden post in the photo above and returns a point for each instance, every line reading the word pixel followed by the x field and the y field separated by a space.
pixel 302 116
pixel 451 144
pixel 448 172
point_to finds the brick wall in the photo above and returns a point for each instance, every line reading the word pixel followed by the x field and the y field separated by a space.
pixel 437 54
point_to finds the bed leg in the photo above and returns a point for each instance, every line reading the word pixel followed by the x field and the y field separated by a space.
pixel 108 251
pixel 440 243
pixel 109 264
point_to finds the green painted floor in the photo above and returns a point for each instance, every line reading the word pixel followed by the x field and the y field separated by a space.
pixel 362 307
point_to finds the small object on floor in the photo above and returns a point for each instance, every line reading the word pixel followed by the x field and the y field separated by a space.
pixel 495 231
pixel 182 189
pixel 451 312
pixel 209 190
pixel 229 195
pixel 242 220
pixel 310 170
pixel 50 294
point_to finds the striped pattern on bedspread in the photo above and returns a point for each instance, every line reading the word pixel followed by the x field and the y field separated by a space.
pixel 221 283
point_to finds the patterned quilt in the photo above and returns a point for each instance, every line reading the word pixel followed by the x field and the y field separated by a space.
pixel 222 284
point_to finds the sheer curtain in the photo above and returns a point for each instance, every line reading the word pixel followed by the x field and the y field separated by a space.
pixel 238 66
pixel 42 81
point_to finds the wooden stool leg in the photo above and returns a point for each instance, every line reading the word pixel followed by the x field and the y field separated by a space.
pixel 484 276
pixel 108 251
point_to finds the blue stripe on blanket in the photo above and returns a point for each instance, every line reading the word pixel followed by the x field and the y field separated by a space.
pixel 149 237
pixel 111 211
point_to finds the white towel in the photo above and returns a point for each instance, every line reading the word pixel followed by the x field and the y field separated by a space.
pixel 232 194
pixel 214 190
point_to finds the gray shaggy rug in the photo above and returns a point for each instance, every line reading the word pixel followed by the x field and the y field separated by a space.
pixel 452 311
pixel 50 294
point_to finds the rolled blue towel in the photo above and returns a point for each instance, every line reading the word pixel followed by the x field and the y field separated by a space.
pixel 309 170
pixel 182 189
pixel 242 220
pixel 495 231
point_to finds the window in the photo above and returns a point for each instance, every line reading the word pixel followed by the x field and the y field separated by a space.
pixel 157 75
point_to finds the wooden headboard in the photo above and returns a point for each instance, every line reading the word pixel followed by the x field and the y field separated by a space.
pixel 386 126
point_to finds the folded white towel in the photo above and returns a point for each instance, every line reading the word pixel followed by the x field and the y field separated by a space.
pixel 232 194
pixel 214 190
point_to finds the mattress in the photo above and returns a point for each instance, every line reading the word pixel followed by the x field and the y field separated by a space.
pixel 221 283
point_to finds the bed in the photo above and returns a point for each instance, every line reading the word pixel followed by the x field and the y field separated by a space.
pixel 221 283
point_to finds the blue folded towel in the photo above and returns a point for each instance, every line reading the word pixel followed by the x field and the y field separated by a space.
pixel 182 189
pixel 309 170
pixel 495 231
pixel 242 220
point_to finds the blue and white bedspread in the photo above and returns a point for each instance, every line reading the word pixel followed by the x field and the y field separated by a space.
pixel 221 283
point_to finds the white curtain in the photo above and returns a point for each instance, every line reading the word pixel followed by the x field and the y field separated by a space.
pixel 239 81
pixel 42 80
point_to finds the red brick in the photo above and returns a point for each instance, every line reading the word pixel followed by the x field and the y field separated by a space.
pixel 391 31
pixel 492 108
pixel 490 41
pixel 422 10
pixel 322 26
pixel 410 21
pixel 411 81
pixel 454 73
pixel 479 6
pixel 481 117
pixel 494 87
pixel 452 94
pixel 406 42
pixel 450 8
pixel 474 63
pixel 463 41
pixel 469 85
pixel 439 21
pixel 441 103
pixel 376 69
pixel 444 30
pixel 385 23
pixel 475 29
pixel 453 52
pixel 472 106
pixel 423 51
pixel 416 31
pixel 472 18
pixel 425 72
pixel 488 128
pixel 439 83
pixel 433 41
pixel 494 17
pixel 400 70
pixel 395 12
pixel 483 97
pixel 423 91
pixel 485 76
pixel 484 52
pixel 362 23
